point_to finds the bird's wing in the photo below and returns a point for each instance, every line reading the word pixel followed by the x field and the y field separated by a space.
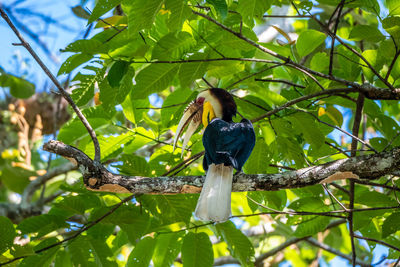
pixel 228 143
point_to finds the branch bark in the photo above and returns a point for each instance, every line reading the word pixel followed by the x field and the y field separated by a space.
pixel 97 177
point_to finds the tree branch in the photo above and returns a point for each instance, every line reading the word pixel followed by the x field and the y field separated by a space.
pixel 281 81
pixel 356 130
pixel 323 246
pixel 97 177
pixel 57 84
pixel 339 8
pixel 377 241
pixel 35 184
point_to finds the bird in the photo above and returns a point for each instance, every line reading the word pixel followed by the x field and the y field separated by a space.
pixel 227 146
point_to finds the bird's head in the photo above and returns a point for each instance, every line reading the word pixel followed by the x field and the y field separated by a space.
pixel 209 104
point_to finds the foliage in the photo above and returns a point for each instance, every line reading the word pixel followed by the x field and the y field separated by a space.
pixel 160 53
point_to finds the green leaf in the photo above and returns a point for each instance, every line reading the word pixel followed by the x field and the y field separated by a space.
pixel 130 108
pixel 273 199
pixel 131 219
pixel 80 12
pixel 189 72
pixel 141 14
pixel 19 88
pixel 238 244
pixel 74 129
pixel 142 137
pixel 62 259
pixel 179 12
pixel 311 225
pixel 308 204
pixel 220 6
pixel 171 114
pixel 311 132
pixel 167 249
pixel 320 62
pixel 84 90
pixel 335 115
pixel 366 33
pixel 73 62
pixel 79 250
pixel 116 72
pixel 142 253
pixel 257 162
pixel 252 8
pixel 101 251
pixel 7 234
pixel 171 208
pixel 197 250
pixel 133 165
pixel 378 143
pixel 393 6
pixel 126 85
pixel 374 198
pixel 153 79
pixel 90 46
pixel 308 41
pixel 102 7
pixel 15 178
pixel 43 259
pixel 110 144
pixel 392 26
pixel 42 224
pixel 173 46
pixel 348 63
pixel 374 59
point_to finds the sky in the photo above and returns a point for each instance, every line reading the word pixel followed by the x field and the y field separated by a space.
pixel 16 60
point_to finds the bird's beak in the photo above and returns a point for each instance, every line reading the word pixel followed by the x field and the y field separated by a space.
pixel 192 117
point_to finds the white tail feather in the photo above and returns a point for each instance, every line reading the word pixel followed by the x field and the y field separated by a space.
pixel 214 203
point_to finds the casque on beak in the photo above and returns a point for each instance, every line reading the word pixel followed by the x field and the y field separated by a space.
pixel 192 116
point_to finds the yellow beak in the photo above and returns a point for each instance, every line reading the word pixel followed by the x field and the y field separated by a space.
pixel 208 113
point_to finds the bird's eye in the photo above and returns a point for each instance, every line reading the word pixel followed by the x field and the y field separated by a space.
pixel 200 100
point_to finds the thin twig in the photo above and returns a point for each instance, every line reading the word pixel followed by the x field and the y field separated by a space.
pixel 281 81
pixel 392 64
pixel 339 7
pixel 204 60
pixel 394 188
pixel 277 64
pixel 302 98
pixel 333 196
pixel 377 241
pixel 57 84
pixel 194 157
pixel 323 246
pixel 356 129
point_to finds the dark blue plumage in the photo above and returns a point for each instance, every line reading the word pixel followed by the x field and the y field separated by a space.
pixel 228 142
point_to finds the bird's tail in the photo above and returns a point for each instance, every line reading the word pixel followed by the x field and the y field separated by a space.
pixel 214 203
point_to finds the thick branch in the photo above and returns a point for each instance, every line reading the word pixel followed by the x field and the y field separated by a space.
pixel 99 178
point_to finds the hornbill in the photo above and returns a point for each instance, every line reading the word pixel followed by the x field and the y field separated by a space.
pixel 227 146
